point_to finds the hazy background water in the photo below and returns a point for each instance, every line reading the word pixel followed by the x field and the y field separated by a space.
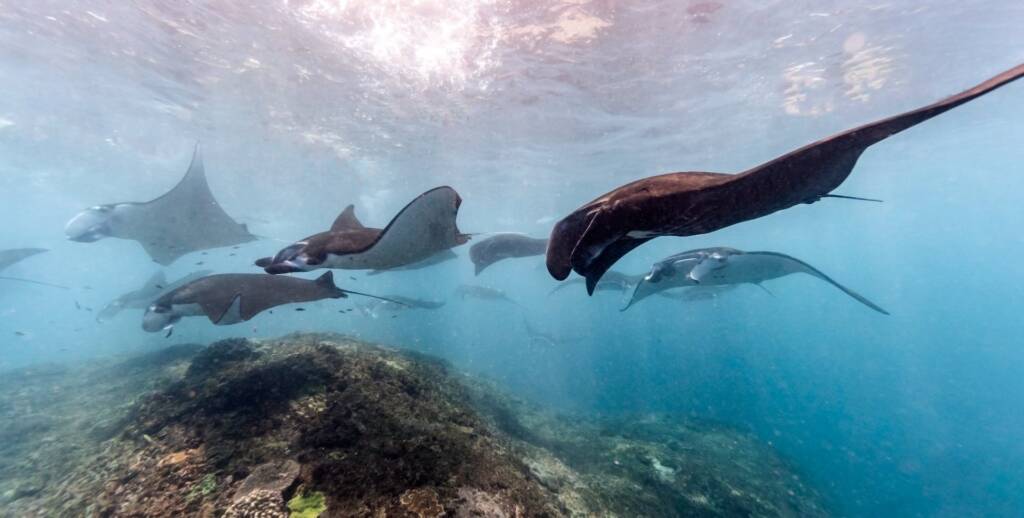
pixel 530 109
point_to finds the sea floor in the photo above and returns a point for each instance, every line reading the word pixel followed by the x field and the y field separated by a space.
pixel 323 425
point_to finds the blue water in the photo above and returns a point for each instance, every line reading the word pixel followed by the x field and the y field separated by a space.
pixel 529 111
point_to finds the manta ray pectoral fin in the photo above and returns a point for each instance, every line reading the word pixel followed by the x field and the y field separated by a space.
pixel 635 295
pixel 233 314
pixel 814 272
pixel 843 197
pixel 30 281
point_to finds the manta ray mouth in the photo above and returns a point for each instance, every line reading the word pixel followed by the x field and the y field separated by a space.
pixel 289 260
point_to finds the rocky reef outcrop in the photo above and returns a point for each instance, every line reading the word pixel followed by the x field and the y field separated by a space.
pixel 321 425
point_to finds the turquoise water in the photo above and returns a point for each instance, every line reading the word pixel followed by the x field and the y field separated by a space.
pixel 529 110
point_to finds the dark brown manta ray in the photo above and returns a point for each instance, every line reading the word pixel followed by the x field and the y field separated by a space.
pixel 231 298
pixel 595 236
pixel 504 246
pixel 185 219
pixel 422 229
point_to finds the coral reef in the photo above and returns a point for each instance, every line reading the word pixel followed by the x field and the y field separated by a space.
pixel 321 425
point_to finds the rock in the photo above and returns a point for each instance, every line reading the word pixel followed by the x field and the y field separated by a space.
pixel 275 477
pixel 422 502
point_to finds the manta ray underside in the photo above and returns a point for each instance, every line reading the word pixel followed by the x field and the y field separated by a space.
pixel 185 219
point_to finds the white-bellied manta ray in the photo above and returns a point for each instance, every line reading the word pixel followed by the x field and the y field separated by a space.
pixel 423 228
pixel 722 266
pixel 595 236
pixel 185 219
pixel 231 298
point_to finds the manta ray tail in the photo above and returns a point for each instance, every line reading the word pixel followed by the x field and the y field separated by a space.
pixel 327 280
pixel 375 297
pixel 30 281
pixel 840 196
pixel 763 288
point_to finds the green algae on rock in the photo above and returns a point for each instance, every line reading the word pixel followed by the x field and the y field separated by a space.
pixel 309 505
pixel 314 424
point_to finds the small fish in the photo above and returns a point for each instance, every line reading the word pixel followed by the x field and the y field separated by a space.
pixel 170 331
pixel 351 277
pixel 232 254
pixel 200 263
pixel 19 333
pixel 159 286
pixel 235 247
pixel 271 312
pixel 394 316
pixel 77 305
pixel 300 309
pixel 86 287
pixel 203 253
pixel 88 309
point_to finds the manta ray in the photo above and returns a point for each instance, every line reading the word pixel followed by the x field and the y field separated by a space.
pixel 464 291
pixel 723 266
pixel 504 246
pixel 594 237
pixel 185 219
pixel 14 255
pixel 142 297
pixel 231 298
pixel 422 229
pixel 395 303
